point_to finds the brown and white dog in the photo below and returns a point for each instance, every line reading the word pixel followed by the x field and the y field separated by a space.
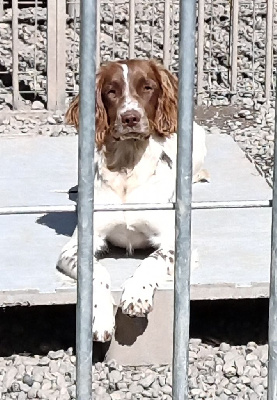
pixel 135 162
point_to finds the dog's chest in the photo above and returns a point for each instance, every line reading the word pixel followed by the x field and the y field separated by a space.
pixel 138 183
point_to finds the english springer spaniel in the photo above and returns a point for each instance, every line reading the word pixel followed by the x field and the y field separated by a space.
pixel 135 162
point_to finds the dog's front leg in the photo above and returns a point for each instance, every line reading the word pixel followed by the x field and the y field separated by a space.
pixel 103 304
pixel 138 291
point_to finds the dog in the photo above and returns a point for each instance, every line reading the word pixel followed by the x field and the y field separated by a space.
pixel 135 162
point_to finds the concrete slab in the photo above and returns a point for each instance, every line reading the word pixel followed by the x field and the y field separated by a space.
pixel 37 170
pixel 233 245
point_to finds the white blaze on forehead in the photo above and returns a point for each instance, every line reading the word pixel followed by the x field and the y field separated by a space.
pixel 129 102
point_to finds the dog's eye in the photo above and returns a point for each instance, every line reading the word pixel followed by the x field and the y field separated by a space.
pixel 147 88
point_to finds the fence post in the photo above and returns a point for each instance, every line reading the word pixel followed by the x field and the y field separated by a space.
pixel 86 199
pixel 132 28
pixel 272 325
pixel 61 54
pixel 51 54
pixel 98 33
pixel 15 50
pixel 183 199
pixel 200 50
pixel 166 35
pixel 234 49
pixel 269 50
pixel 73 9
pixel 1 9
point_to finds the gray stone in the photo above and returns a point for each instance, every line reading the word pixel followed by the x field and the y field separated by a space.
pixel 51 121
pixel 46 385
pixel 43 361
pixel 224 347
pixel 22 396
pixel 166 389
pixel 117 395
pixel 134 388
pixel 32 393
pixel 37 105
pixel 55 355
pixel 147 381
pixel 38 377
pixel 115 376
pixel 28 380
pixel 161 380
pixel 9 377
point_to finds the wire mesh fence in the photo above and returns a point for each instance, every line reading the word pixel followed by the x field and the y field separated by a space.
pixel 39 47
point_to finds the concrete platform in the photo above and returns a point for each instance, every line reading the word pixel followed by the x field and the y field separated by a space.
pixel 233 245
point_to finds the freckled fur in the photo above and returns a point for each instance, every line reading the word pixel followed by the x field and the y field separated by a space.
pixel 134 165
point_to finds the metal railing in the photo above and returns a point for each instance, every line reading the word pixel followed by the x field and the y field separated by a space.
pixel 183 205
pixel 39 57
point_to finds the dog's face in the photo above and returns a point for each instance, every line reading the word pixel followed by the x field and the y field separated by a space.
pixel 129 93
pixel 134 99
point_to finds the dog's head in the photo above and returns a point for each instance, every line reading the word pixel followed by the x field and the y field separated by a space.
pixel 134 99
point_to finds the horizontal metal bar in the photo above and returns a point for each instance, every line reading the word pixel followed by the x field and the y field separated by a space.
pixel 202 205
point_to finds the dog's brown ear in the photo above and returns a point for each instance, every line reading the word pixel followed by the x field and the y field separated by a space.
pixel 166 115
pixel 101 119
pixel 72 114
pixel 101 114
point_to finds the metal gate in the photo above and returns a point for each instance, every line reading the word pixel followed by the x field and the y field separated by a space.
pixel 182 206
pixel 182 210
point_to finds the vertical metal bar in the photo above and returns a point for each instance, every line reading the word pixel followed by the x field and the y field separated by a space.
pixel 210 67
pixel 51 54
pixel 15 49
pixel 73 9
pixel 113 51
pixel 132 15
pixel 200 51
pixel 1 9
pixel 166 38
pixel 234 51
pixel 35 46
pixel 253 47
pixel 152 33
pixel 98 28
pixel 272 325
pixel 86 199
pixel 61 54
pixel 172 37
pixel 269 49
pixel 183 199
pixel 75 66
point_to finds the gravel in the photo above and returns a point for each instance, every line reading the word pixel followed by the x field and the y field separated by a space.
pixel 220 372
pixel 224 362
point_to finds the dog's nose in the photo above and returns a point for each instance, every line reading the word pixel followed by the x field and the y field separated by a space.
pixel 130 118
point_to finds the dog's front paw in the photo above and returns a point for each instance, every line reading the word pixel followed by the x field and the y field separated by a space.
pixel 103 305
pixel 137 298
